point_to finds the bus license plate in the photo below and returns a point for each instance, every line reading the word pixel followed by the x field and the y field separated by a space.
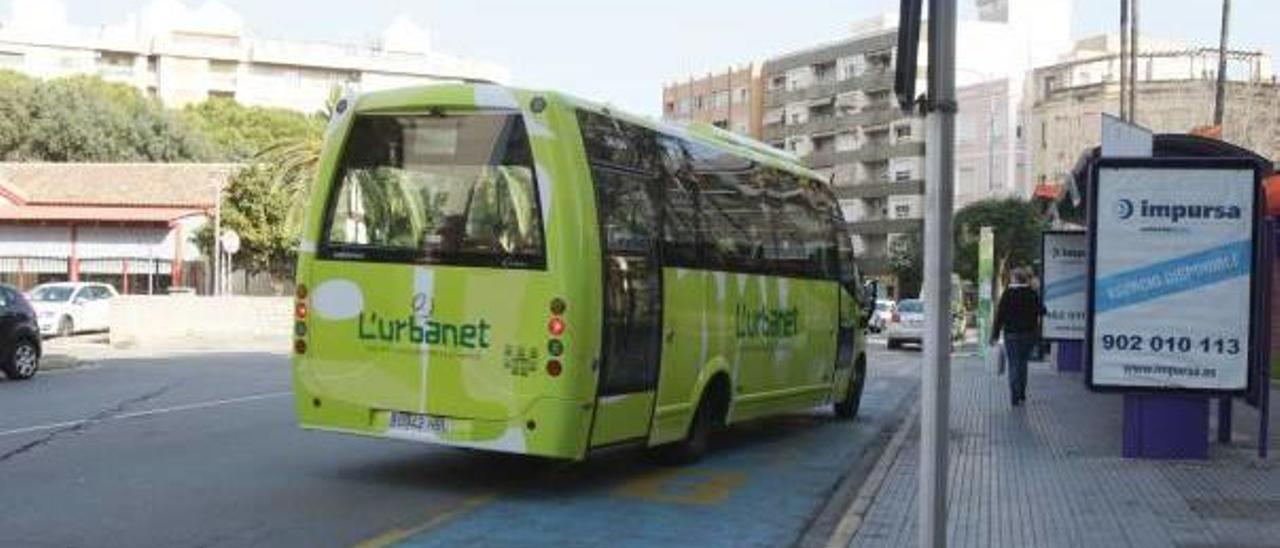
pixel 419 423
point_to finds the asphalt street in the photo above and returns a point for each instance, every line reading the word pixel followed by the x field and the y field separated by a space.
pixel 202 450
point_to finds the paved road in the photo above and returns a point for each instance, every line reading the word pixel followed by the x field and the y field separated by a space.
pixel 201 450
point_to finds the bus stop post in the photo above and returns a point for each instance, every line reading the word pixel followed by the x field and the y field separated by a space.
pixel 936 381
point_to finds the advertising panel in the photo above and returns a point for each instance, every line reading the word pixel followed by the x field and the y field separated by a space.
pixel 1063 255
pixel 1171 273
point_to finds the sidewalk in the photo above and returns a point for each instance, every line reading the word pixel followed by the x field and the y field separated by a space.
pixel 1050 474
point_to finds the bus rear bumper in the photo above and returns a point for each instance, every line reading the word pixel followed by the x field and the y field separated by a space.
pixel 551 428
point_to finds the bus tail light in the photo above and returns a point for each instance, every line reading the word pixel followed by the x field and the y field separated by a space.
pixel 301 292
pixel 300 346
pixel 556 326
pixel 300 310
pixel 554 368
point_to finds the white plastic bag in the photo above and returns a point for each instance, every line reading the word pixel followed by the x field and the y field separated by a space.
pixel 996 358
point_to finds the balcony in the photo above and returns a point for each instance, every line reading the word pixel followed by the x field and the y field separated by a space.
pixel 879 189
pixel 886 226
pixel 869 81
pixel 870 115
pixel 874 265
pixel 868 153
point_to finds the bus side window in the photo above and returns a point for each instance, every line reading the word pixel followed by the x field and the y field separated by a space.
pixel 681 225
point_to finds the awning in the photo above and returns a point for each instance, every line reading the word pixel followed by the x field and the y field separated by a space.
pixel 1048 191
pixel 138 215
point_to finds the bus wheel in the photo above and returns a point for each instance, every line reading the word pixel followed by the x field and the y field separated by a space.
pixel 847 408
pixel 710 415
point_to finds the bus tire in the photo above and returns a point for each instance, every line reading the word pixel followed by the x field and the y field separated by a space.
pixel 847 408
pixel 710 416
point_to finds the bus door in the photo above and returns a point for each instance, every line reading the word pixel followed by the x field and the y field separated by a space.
pixel 627 207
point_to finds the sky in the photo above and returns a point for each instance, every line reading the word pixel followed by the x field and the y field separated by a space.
pixel 622 51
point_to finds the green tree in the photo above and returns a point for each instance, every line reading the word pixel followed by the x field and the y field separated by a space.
pixel 256 212
pixel 906 261
pixel 19 92
pixel 84 119
pixel 1017 225
pixel 292 161
pixel 241 133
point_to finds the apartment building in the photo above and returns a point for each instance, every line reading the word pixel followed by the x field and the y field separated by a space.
pixel 183 55
pixel 1175 94
pixel 833 106
pixel 731 100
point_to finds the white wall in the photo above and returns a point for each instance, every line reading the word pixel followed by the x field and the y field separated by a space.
pixel 35 241
pixel 190 322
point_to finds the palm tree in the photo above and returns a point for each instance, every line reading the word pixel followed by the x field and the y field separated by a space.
pixel 291 163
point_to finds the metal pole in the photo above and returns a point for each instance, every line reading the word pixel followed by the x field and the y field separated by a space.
pixel 1133 61
pixel 1124 58
pixel 1219 101
pixel 216 287
pixel 940 175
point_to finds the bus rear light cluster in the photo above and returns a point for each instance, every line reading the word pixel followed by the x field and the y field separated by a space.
pixel 555 347
pixel 300 319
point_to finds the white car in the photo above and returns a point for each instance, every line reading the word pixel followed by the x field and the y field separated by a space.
pixel 72 307
pixel 906 323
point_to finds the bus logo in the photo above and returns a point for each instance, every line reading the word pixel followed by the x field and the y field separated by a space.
pixel 766 323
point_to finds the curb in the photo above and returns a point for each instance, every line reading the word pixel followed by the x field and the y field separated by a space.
pixel 852 520
pixel 56 362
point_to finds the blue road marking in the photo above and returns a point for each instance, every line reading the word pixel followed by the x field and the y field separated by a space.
pixel 760 486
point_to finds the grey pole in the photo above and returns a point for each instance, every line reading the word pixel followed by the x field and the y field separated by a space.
pixel 1219 101
pixel 939 176
pixel 216 286
pixel 1133 61
pixel 1124 59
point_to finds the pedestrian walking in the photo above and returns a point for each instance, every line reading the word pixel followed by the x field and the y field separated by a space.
pixel 1018 316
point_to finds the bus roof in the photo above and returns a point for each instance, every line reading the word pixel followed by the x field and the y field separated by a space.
pixel 700 132
pixel 704 133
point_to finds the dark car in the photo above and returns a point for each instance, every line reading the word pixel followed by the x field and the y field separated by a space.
pixel 19 335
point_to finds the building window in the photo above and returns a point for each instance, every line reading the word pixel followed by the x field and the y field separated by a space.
pixel 902 133
pixel 669 108
pixel 742 95
pixel 778 82
pixel 901 211
pixel 902 175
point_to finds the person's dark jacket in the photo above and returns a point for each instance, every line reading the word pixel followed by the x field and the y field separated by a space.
pixel 1018 312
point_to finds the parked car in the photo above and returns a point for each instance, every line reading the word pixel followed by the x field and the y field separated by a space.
pixel 65 308
pixel 906 323
pixel 880 318
pixel 19 335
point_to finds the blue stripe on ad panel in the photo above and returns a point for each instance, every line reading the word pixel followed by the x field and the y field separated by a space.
pixel 1173 276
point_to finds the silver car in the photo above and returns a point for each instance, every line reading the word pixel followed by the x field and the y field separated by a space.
pixel 906 323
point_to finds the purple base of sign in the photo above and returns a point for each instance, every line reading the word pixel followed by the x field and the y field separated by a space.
pixel 1070 356
pixel 1166 426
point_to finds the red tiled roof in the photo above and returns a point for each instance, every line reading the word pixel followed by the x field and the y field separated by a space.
pixel 42 213
pixel 181 185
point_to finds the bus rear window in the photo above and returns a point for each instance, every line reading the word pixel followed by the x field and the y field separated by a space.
pixel 457 189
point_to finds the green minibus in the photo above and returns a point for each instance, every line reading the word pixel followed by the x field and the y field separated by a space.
pixel 526 272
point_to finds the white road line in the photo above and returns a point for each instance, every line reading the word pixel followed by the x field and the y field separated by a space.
pixel 145 413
